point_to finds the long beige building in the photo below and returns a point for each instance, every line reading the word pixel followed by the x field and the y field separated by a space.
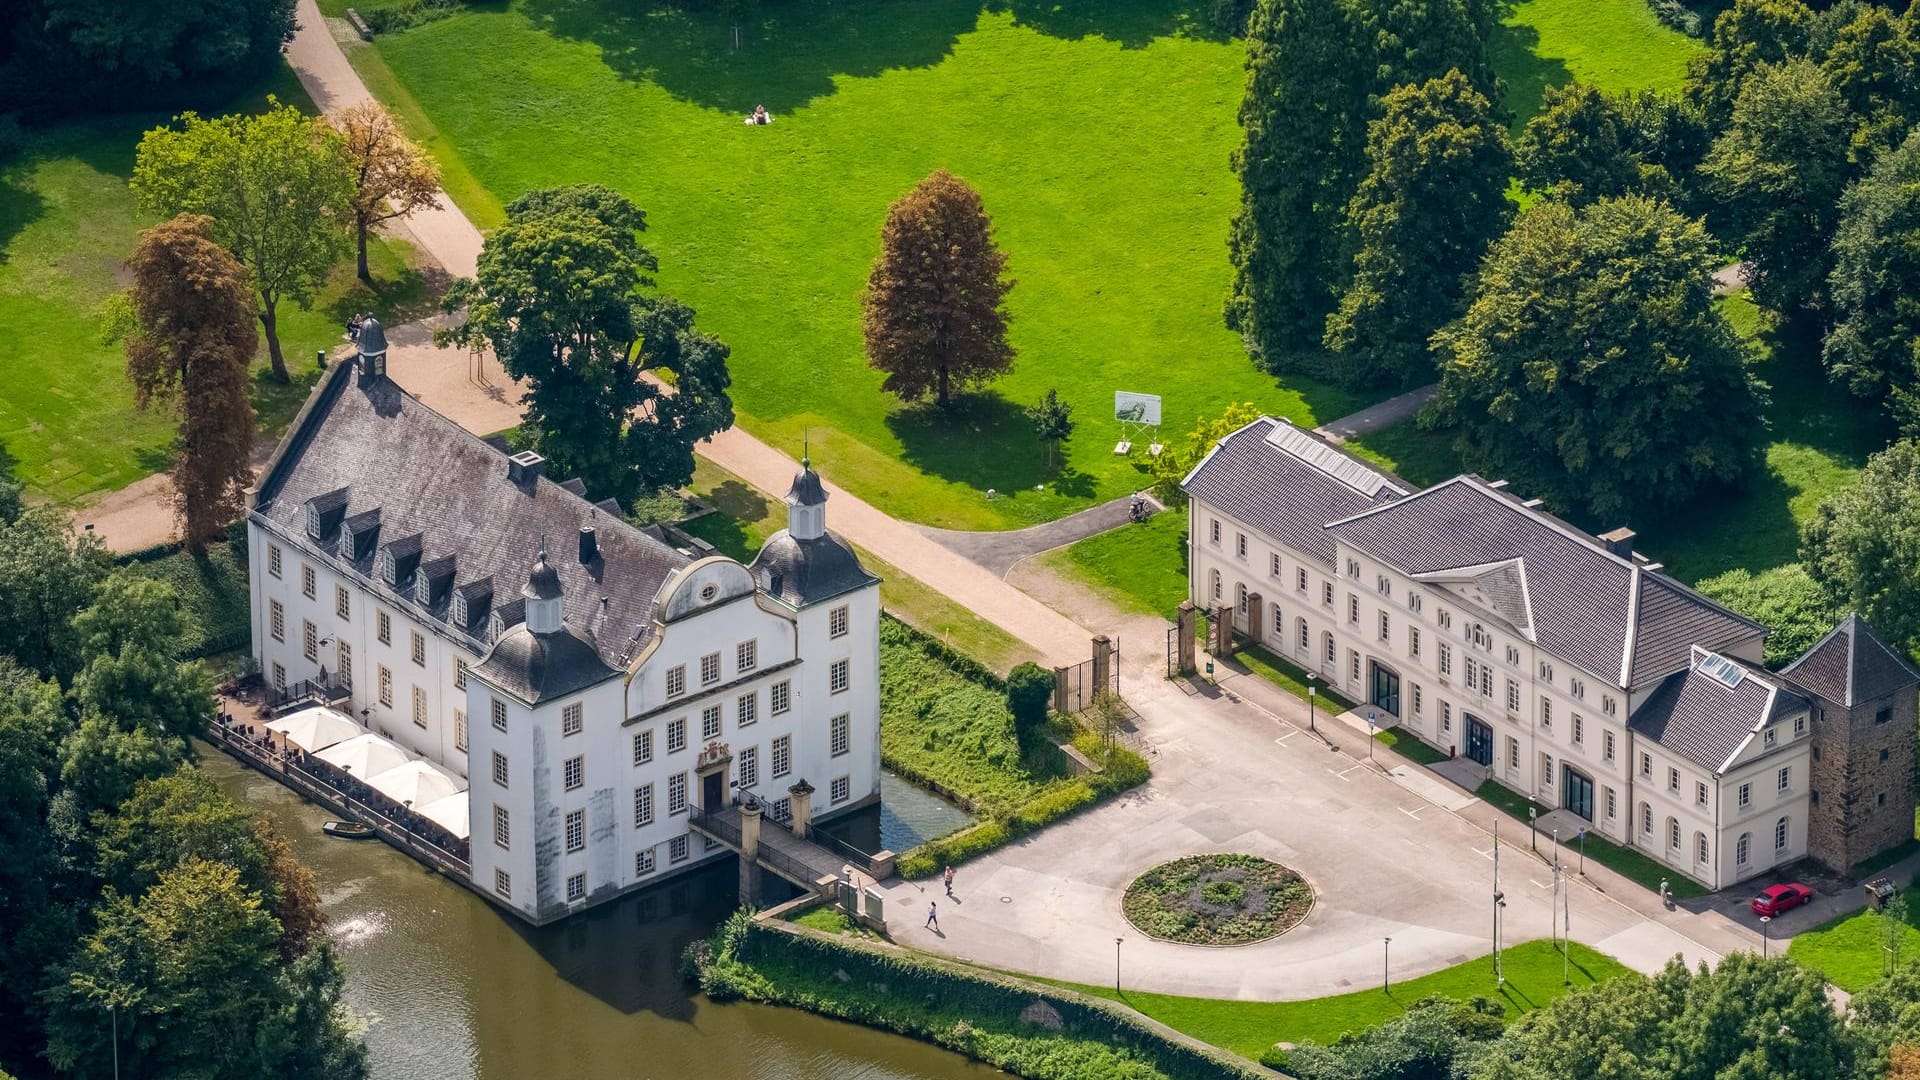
pixel 1567 666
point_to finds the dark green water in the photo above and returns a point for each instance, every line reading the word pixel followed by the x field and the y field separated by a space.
pixel 453 990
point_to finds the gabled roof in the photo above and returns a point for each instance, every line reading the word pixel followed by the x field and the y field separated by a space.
pixel 1851 665
pixel 444 493
pixel 1605 614
pixel 1288 483
pixel 1708 711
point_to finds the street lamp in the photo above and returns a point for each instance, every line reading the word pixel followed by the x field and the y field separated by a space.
pixel 1764 936
pixel 406 821
pixel 1311 691
pixel 1116 965
pixel 1370 720
pixel 1533 828
pixel 1583 851
pixel 1386 949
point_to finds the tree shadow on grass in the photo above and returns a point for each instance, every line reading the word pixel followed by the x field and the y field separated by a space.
pixel 20 206
pixel 1514 51
pixel 792 53
pixel 983 441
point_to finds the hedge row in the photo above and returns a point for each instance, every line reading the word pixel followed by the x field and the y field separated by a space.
pixel 1125 769
pixel 1029 1030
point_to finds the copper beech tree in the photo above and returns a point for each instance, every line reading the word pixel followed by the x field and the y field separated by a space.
pixel 935 321
pixel 392 176
pixel 192 340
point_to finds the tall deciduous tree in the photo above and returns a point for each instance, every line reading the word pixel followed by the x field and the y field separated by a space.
pixel 1863 546
pixel 279 191
pixel 1577 147
pixel 1776 174
pixel 1874 346
pixel 559 299
pixel 936 320
pixel 1745 36
pixel 91 49
pixel 1052 421
pixel 47 575
pixel 192 344
pixel 1593 368
pixel 1873 60
pixel 1434 197
pixel 392 177
pixel 1177 460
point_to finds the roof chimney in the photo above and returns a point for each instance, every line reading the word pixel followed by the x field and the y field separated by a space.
pixel 525 467
pixel 589 545
pixel 1619 542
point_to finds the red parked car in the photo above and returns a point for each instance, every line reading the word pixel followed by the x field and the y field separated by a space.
pixel 1780 899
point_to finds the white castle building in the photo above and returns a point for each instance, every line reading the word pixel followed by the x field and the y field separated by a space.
pixel 591 681
pixel 1566 666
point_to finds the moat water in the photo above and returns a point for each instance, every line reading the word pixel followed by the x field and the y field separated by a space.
pixel 452 989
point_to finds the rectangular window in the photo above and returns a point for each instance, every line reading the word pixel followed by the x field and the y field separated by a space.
pixel 1273 566
pixel 1546 770
pixel 1884 716
pixel 1213 531
pixel 1416 698
pixel 572 719
pixel 749 767
pixel 1646 819
pixel 676 735
pixel 1746 796
pixel 780 697
pixel 503 884
pixel 840 727
pixel 1353 664
pixel 643 806
pixel 383 627
pixel 1579 730
pixel 1446 718
pixel 677 793
pixel 459 674
pixel 842 789
pixel 1613 805
pixel 1486 681
pixel 642 747
pixel 419 708
pixel 837 622
pixel 1279 621
pixel 273 559
pixel 746 656
pixel 1240 544
pixel 676 680
pixel 710 722
pixel 1386 631
pixel 307 588
pixel 1446 659
pixel 499 768
pixel 1546 709
pixel 782 756
pixel 746 710
pixel 1413 642
pixel 677 849
pixel 460 730
pixel 1305 641
pixel 1300 579
pixel 386 687
pixel 1326 593
pixel 1673 779
pixel 782 811
pixel 1606 745
pixel 1786 778
pixel 342 606
pixel 1770 737
pixel 277 620
pixel 1513 752
pixel 1330 651
pixel 419 648
pixel 574 772
pixel 837 676
pixel 576 830
pixel 1799 726
pixel 643 863
pixel 1646 765
pixel 1700 792
pixel 710 669
pixel 502 828
pixel 279 677
pixel 499 715
pixel 576 888
pixel 309 640
pixel 1353 609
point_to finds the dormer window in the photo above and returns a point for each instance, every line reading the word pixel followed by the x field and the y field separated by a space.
pixel 389 567
pixel 459 612
pixel 313 521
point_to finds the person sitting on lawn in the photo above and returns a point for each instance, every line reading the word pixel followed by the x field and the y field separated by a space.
pixel 759 116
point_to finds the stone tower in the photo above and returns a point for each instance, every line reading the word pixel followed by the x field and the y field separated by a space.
pixel 1868 703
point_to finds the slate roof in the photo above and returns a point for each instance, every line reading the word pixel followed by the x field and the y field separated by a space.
pixel 806 489
pixel 1696 715
pixel 1288 483
pixel 431 479
pixel 540 667
pixel 1851 665
pixel 1605 614
pixel 803 572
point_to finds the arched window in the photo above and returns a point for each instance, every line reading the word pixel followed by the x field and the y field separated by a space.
pixel 1306 638
pixel 1780 835
pixel 1700 847
pixel 1327 640
pixel 1673 833
pixel 1240 599
pixel 1214 578
pixel 1741 848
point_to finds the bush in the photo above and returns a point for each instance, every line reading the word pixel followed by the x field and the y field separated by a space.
pixel 409 14
pixel 1677 15
pixel 1786 599
pixel 1230 16
pixel 1029 693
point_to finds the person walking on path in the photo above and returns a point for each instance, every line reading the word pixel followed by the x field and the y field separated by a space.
pixel 949 880
pixel 933 917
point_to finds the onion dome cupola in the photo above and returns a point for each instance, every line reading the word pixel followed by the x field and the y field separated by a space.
pixel 546 600
pixel 807 504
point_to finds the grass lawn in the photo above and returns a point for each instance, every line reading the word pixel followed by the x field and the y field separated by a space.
pixel 1421 458
pixel 1850 950
pixel 1409 746
pixel 1250 1028
pixel 1139 567
pixel 1288 676
pixel 1626 862
pixel 67 221
pixel 1116 232
pixel 746 518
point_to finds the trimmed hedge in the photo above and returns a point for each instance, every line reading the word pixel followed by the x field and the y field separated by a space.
pixel 1030 1030
pixel 212 587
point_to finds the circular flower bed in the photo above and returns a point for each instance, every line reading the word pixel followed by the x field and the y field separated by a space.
pixel 1217 900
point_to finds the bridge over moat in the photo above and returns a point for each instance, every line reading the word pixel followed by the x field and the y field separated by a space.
pixel 793 851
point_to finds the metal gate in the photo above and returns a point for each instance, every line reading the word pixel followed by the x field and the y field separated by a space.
pixel 1075 687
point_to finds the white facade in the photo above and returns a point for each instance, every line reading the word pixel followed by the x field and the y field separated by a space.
pixel 1452 672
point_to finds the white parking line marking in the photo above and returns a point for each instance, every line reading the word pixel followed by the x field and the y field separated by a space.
pixel 1413 813
pixel 1485 853
pixel 1341 775
pixel 1541 884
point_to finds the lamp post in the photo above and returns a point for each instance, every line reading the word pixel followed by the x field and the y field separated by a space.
pixel 1499 902
pixel 1533 828
pixel 1116 965
pixel 1556 884
pixel 1386 951
pixel 1583 851
pixel 1370 723
pixel 1764 936
pixel 406 821
pixel 1312 690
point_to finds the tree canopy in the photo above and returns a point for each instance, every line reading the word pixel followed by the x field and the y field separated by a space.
pixel 1179 458
pixel 1052 421
pixel 56 53
pixel 1577 147
pixel 1593 369
pixel 192 344
pixel 1874 345
pixel 392 177
pixel 559 298
pixel 1863 545
pixel 935 304
pixel 1745 36
pixel 1434 196
pixel 276 187
pixel 1785 599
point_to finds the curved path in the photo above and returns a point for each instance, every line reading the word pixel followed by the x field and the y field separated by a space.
pixel 998 551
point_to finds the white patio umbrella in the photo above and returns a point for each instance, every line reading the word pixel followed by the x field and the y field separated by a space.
pixel 364 756
pixel 450 813
pixel 315 729
pixel 416 782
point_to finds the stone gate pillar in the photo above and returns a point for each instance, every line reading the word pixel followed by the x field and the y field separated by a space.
pixel 1256 615
pixel 1184 638
pixel 750 854
pixel 802 793
pixel 1102 665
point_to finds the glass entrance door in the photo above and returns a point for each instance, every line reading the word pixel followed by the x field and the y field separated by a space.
pixel 1479 741
pixel 1577 791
